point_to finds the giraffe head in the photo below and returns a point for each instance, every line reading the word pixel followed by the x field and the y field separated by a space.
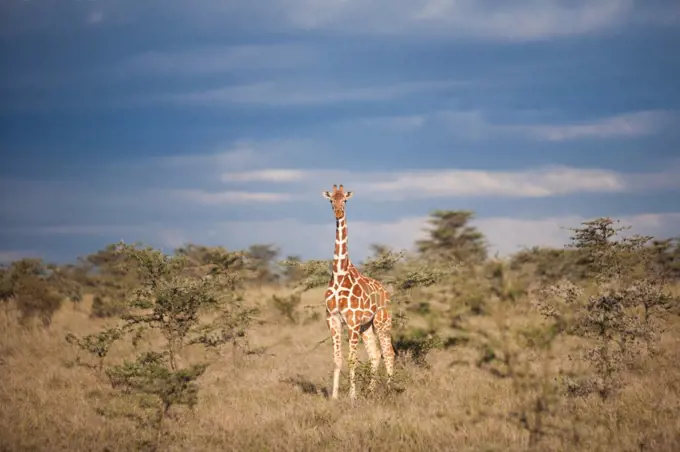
pixel 338 197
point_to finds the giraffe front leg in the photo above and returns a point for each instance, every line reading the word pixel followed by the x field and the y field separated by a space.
pixel 335 326
pixel 373 353
pixel 352 361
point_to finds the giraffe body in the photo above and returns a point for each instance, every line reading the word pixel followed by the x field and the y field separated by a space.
pixel 358 302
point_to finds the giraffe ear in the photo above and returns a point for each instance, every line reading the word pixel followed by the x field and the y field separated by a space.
pixel 349 194
pixel 326 194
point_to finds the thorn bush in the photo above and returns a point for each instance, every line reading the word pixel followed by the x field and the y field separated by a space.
pixel 171 295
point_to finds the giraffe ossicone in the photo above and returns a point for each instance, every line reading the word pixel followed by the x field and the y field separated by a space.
pixel 358 302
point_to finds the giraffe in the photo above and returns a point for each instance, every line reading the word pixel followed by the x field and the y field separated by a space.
pixel 357 301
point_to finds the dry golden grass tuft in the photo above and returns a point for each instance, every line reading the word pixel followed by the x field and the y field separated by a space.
pixel 276 400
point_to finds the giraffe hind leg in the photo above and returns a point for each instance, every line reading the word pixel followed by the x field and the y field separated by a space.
pixel 382 323
pixel 369 338
pixel 352 360
pixel 365 326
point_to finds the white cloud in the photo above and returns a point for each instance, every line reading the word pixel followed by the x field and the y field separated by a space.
pixel 244 155
pixel 172 238
pixel 400 123
pixel 508 235
pixel 621 126
pixel 472 125
pixel 274 175
pixel 215 60
pixel 306 93
pixel 95 17
pixel 227 197
pixel 87 229
pixel 505 235
pixel 8 256
pixel 240 156
pixel 530 183
pixel 525 20
pixel 500 20
pixel 313 240
pixel 495 19
pixel 536 183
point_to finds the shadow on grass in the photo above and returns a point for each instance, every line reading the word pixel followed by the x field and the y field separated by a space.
pixel 307 386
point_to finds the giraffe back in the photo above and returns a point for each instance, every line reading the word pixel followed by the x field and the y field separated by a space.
pixel 372 290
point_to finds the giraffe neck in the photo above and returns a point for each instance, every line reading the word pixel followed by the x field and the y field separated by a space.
pixel 341 260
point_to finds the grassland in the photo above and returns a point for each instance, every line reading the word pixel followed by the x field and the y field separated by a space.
pixel 276 400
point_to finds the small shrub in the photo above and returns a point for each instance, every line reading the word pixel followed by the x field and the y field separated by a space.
pixel 523 356
pixel 104 306
pixel 37 289
pixel 149 375
pixel 170 298
pixel 97 344
pixel 624 278
pixel 416 346
pixel 287 306
pixel 309 274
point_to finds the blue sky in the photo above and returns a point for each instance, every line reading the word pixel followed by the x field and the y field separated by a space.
pixel 220 122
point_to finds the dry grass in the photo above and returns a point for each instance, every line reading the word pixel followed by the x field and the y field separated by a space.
pixel 275 401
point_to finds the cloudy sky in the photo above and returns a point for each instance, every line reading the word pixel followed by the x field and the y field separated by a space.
pixel 220 122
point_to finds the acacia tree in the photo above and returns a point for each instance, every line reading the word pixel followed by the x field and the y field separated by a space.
pixel 666 259
pixel 291 272
pixel 452 238
pixel 37 289
pixel 260 259
pixel 201 257
pixel 624 275
pixel 170 298
pixel 106 275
